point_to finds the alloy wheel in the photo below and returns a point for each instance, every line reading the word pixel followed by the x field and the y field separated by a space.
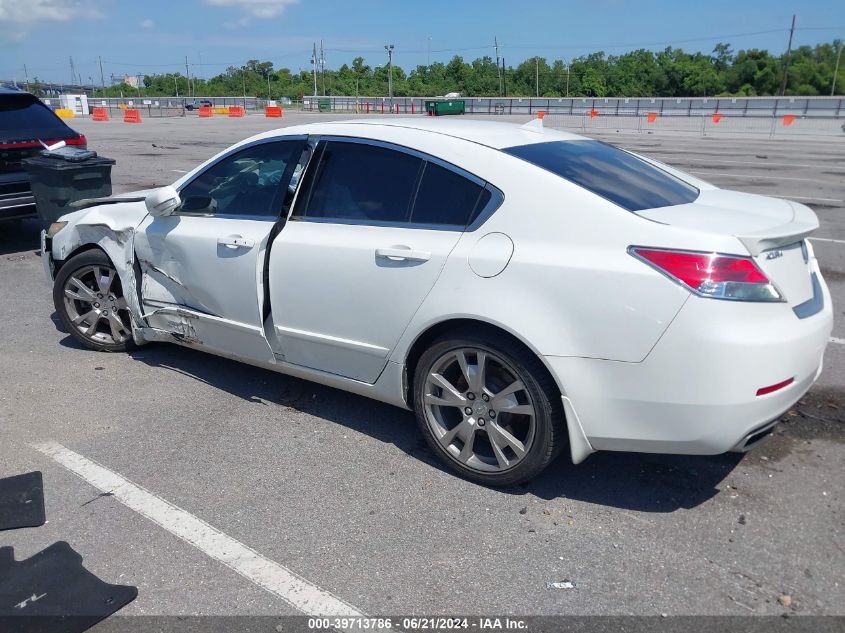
pixel 96 306
pixel 479 410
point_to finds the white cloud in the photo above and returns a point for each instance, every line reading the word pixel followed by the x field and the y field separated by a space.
pixel 34 11
pixel 147 24
pixel 256 8
pixel 240 23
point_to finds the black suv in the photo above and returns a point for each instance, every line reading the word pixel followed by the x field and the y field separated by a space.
pixel 24 121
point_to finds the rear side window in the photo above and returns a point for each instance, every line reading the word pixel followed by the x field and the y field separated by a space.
pixel 609 172
pixel 24 117
pixel 445 197
pixel 355 181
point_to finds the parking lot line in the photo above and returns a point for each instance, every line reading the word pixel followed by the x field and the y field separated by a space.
pixel 826 239
pixel 755 176
pixel 708 159
pixel 787 197
pixel 275 578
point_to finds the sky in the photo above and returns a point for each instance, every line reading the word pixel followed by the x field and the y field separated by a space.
pixel 154 36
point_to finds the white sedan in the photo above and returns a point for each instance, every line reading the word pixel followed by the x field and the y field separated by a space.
pixel 521 289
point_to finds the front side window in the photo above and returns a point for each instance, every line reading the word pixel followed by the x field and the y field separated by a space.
pixel 355 181
pixel 611 173
pixel 246 183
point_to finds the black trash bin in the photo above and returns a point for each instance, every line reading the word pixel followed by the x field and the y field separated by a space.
pixel 59 178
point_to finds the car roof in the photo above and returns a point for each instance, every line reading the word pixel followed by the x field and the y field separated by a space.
pixel 495 134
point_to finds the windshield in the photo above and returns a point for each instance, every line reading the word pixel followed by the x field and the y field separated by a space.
pixel 611 173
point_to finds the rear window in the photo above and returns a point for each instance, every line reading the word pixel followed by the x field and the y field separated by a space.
pixel 24 117
pixel 609 172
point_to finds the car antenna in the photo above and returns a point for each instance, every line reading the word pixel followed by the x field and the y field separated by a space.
pixel 534 125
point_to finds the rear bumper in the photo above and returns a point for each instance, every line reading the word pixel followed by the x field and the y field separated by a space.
pixel 695 393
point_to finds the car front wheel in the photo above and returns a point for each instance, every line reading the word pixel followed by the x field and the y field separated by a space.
pixel 488 409
pixel 90 301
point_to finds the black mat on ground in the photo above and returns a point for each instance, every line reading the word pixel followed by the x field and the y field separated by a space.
pixel 52 592
pixel 21 501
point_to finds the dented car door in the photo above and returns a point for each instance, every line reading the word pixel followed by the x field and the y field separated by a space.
pixel 202 268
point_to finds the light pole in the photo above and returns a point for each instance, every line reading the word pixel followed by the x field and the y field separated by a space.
pixel 389 49
pixel 314 67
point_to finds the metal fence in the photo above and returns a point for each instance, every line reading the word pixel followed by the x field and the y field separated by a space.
pixel 700 125
pixel 765 107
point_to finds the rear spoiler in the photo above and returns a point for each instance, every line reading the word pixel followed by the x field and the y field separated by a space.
pixel 804 222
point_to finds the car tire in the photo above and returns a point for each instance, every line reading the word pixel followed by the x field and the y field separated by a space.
pixel 448 418
pixel 90 302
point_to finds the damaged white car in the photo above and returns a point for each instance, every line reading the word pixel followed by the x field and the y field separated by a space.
pixel 521 289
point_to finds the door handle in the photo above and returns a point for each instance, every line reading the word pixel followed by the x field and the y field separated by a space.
pixel 235 241
pixel 403 253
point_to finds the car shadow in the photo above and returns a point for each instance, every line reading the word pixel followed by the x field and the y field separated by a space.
pixel 632 481
pixel 17 236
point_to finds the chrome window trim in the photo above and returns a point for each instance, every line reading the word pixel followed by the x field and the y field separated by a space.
pixel 496 198
pixel 231 152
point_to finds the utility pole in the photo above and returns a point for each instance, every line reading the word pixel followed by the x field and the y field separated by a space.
pixel 504 78
pixel 102 78
pixel 498 70
pixel 537 65
pixel 243 77
pixel 188 75
pixel 26 77
pixel 314 67
pixel 323 67
pixel 389 49
pixel 73 80
pixel 788 53
pixel 428 60
pixel 176 82
pixel 832 83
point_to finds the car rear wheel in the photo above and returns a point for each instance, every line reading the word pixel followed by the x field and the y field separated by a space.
pixel 90 301
pixel 488 409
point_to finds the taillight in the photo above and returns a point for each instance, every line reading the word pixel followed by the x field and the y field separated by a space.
pixel 710 274
pixel 81 140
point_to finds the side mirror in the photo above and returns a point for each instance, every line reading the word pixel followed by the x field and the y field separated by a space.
pixel 163 201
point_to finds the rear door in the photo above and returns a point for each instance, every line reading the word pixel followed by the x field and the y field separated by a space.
pixel 369 235
pixel 203 267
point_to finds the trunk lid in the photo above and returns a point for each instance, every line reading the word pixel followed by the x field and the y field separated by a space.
pixel 772 229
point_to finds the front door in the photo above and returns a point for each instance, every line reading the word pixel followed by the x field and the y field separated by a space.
pixel 371 232
pixel 202 268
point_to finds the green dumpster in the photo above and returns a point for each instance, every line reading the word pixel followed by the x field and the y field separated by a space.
pixel 439 107
pixel 324 105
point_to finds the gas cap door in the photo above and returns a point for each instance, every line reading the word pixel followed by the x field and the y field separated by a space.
pixel 491 254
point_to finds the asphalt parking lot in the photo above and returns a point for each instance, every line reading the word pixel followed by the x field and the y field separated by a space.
pixel 342 491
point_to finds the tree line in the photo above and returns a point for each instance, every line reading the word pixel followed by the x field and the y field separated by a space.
pixel 671 72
